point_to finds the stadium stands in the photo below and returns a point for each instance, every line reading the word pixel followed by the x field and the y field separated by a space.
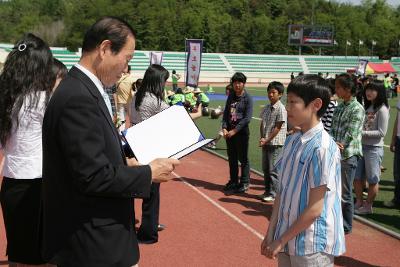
pixel 218 67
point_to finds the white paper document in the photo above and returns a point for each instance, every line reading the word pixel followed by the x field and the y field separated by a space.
pixel 168 134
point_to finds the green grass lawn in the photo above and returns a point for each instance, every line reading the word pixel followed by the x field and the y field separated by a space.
pixel 389 218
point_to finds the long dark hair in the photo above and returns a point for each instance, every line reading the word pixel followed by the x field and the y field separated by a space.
pixel 380 99
pixel 26 73
pixel 153 82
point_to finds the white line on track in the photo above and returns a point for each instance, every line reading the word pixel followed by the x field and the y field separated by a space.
pixel 218 206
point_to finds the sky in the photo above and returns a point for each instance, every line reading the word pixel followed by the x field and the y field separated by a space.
pixel 394 3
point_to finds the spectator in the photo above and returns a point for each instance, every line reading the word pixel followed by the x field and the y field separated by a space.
pixel 175 79
pixel 327 117
pixel 388 85
pixel 235 126
pixel 272 138
pixel 124 94
pixel 395 85
pixel 395 148
pixel 201 98
pixel 26 82
pixel 347 122
pixel 147 102
pixel 374 130
pixel 306 227
pixel 60 71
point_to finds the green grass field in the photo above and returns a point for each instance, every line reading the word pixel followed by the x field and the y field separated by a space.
pixel 389 218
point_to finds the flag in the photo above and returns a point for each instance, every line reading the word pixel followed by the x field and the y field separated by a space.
pixel 156 58
pixel 194 50
pixel 362 65
pixel 373 42
pixel 347 42
pixel 360 42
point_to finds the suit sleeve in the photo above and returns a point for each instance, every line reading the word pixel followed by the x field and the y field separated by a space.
pixel 84 147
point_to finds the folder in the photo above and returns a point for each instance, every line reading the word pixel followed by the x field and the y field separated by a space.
pixel 168 134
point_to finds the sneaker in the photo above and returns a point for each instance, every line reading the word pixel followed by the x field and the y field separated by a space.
pixel 268 198
pixel 364 210
pixel 390 204
pixel 230 186
pixel 261 197
pixel 358 205
pixel 241 188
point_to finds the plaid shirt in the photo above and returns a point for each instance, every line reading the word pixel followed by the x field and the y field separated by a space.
pixel 270 115
pixel 347 125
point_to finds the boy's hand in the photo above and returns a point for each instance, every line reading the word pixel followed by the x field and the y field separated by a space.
pixel 263 142
pixel 273 249
pixel 264 245
pixel 231 133
pixel 392 147
pixel 225 133
pixel 340 145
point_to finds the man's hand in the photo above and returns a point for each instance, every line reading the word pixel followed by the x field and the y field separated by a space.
pixel 161 169
pixel 131 162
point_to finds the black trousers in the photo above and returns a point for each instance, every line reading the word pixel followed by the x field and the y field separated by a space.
pixel 238 150
pixel 148 230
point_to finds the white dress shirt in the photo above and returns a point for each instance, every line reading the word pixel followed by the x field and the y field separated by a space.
pixel 99 86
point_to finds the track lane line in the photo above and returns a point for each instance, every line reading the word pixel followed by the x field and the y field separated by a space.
pixel 218 206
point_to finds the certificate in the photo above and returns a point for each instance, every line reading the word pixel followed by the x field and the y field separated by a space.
pixel 168 134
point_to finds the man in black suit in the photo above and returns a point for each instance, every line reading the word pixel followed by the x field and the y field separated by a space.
pixel 88 184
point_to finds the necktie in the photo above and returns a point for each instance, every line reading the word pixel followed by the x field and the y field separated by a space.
pixel 107 101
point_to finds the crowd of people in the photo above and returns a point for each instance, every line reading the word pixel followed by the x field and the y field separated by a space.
pixel 69 185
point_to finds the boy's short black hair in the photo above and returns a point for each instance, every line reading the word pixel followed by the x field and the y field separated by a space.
pixel 238 77
pixel 347 82
pixel 310 87
pixel 278 86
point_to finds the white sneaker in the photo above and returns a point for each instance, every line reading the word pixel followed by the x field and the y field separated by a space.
pixel 364 210
pixel 268 199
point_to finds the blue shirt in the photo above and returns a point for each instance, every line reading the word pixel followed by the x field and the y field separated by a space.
pixel 310 160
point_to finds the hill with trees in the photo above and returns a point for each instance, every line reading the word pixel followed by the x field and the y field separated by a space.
pixel 231 26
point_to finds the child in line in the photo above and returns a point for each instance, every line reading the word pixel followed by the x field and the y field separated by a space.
pixel 306 227
pixel 374 130
pixel 272 137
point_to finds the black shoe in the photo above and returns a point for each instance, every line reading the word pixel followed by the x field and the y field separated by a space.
pixel 242 188
pixel 147 242
pixel 230 186
pixel 161 227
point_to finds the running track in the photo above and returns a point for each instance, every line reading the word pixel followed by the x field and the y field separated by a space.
pixel 205 227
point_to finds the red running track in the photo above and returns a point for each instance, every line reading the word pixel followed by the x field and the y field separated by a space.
pixel 205 227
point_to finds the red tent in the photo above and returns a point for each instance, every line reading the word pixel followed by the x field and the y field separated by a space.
pixel 381 67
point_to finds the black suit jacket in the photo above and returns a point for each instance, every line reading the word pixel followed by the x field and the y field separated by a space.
pixel 88 191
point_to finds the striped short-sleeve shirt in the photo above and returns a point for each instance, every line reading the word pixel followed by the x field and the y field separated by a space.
pixel 311 160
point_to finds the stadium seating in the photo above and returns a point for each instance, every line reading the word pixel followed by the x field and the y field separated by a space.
pixel 219 66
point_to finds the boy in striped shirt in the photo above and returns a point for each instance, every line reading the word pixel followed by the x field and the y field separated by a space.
pixel 306 226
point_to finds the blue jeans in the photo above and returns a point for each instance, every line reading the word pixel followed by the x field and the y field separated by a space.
pixel 269 156
pixel 349 167
pixel 396 174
